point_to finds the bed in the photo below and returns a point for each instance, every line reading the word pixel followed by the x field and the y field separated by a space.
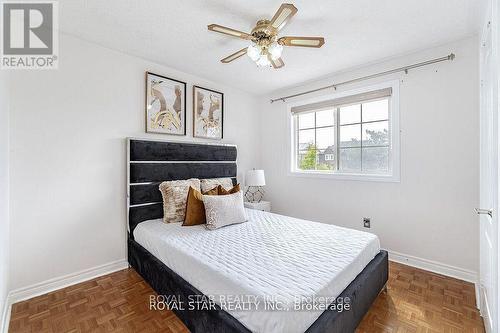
pixel 293 262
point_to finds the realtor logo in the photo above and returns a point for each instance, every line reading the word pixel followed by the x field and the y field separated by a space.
pixel 29 35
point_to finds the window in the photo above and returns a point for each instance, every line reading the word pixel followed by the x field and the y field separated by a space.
pixel 353 134
pixel 316 137
pixel 329 157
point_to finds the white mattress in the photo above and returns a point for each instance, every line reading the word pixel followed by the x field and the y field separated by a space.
pixel 271 256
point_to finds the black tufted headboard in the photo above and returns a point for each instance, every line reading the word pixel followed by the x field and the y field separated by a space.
pixel 149 162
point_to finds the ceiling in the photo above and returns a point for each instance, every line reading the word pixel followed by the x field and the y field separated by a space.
pixel 174 33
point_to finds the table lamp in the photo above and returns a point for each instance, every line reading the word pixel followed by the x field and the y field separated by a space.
pixel 255 180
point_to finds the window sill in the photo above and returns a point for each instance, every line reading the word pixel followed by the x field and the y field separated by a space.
pixel 346 176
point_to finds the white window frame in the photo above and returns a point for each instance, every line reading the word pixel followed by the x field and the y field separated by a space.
pixel 394 145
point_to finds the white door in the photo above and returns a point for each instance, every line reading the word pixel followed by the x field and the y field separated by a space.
pixel 488 212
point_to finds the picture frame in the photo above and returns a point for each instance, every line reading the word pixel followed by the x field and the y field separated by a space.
pixel 165 108
pixel 208 113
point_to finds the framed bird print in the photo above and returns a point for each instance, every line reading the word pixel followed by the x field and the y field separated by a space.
pixel 208 113
pixel 165 105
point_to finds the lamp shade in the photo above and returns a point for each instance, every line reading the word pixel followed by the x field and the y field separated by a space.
pixel 255 178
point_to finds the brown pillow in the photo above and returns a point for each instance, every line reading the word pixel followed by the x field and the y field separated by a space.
pixel 214 191
pixel 223 191
pixel 195 210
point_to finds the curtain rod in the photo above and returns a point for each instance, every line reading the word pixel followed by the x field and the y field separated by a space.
pixel 405 69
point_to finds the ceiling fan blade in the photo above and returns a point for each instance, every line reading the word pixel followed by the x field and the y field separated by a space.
pixel 302 41
pixel 278 63
pixel 234 56
pixel 228 31
pixel 283 15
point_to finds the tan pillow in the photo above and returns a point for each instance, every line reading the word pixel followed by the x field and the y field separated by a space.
pixel 207 184
pixel 222 191
pixel 174 193
pixel 195 209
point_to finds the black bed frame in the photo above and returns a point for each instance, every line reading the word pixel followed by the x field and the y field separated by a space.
pixel 148 163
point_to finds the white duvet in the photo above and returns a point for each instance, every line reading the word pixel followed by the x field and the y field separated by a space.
pixel 271 256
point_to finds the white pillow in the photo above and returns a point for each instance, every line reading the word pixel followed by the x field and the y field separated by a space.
pixel 208 184
pixel 222 210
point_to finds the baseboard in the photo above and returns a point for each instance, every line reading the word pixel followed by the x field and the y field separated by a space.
pixel 477 288
pixel 41 288
pixel 434 266
pixel 4 325
pixel 440 268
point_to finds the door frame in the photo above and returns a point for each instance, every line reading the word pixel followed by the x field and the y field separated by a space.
pixel 490 27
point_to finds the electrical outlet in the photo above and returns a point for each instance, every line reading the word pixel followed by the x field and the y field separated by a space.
pixel 366 222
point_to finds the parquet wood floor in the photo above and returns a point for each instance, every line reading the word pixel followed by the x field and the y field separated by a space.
pixel 423 302
pixel 416 301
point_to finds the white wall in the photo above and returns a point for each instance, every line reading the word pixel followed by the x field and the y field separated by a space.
pixel 4 192
pixel 68 130
pixel 67 160
pixel 429 214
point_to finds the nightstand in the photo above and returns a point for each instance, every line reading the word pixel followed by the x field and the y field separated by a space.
pixel 263 205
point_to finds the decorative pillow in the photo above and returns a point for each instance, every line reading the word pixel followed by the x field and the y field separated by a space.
pixel 207 184
pixel 174 193
pixel 195 210
pixel 222 210
pixel 214 191
pixel 222 191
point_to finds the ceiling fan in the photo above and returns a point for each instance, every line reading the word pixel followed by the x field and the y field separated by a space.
pixel 266 48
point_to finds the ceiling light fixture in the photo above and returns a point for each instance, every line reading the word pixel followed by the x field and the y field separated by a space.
pixel 266 48
pixel 275 50
pixel 253 51
pixel 263 53
pixel 263 61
